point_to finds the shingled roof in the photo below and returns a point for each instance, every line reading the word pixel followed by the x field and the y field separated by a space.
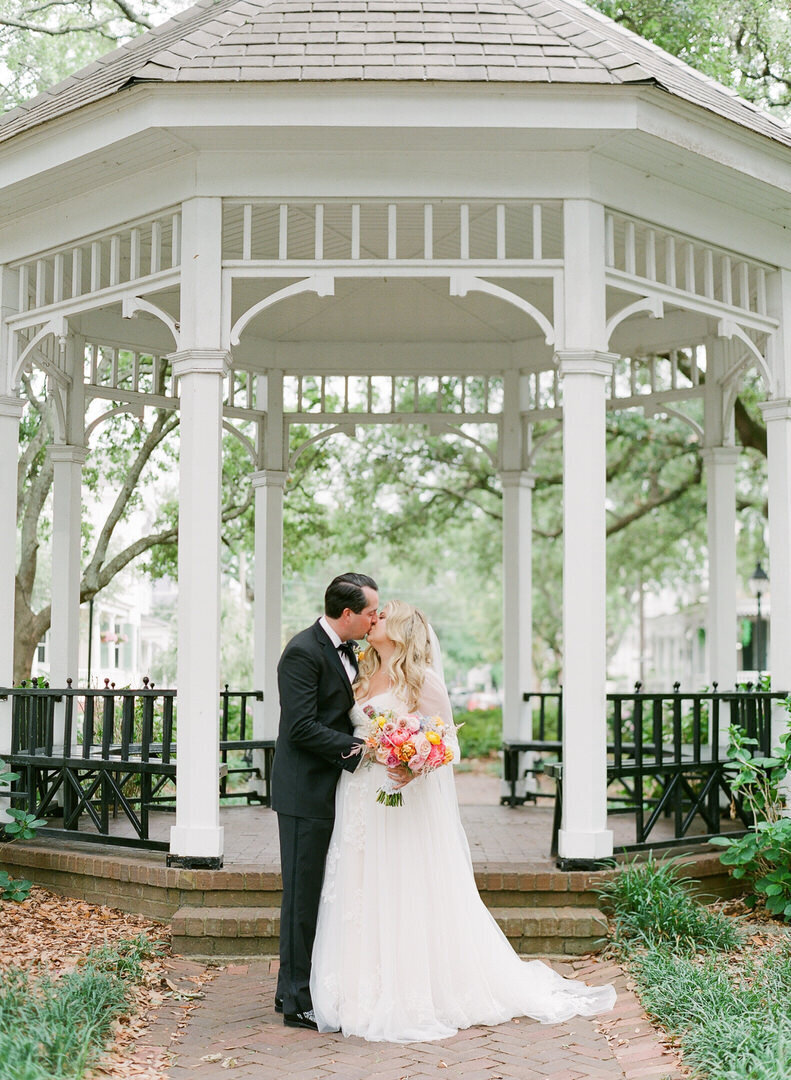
pixel 515 41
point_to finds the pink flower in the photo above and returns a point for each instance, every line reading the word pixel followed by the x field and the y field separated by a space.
pixel 388 731
pixel 392 759
pixel 382 754
pixel 411 722
pixel 436 756
pixel 422 750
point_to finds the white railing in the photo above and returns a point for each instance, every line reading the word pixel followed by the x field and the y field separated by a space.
pixel 675 376
pixel 393 395
pixel 256 231
pixel 130 253
pixel 680 263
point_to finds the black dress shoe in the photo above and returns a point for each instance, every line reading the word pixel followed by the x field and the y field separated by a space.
pixel 301 1020
pixel 278 1004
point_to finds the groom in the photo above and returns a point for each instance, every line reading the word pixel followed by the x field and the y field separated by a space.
pixel 315 677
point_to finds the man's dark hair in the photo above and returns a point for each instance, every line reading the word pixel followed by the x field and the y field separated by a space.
pixel 346 591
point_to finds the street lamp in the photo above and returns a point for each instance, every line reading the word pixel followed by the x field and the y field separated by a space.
pixel 759 586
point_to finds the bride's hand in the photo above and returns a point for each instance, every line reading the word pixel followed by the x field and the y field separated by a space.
pixel 400 776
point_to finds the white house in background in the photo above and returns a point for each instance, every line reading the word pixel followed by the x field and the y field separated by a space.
pixel 122 640
pixel 674 645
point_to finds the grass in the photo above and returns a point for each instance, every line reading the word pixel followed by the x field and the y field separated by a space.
pixel 731 1015
pixel 54 1029
pixel 725 1002
pixel 651 907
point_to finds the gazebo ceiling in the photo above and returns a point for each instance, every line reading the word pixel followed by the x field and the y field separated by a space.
pixel 496 41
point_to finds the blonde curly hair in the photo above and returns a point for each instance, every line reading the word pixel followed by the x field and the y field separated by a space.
pixel 407 628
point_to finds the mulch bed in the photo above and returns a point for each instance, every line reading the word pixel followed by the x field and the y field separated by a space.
pixel 51 934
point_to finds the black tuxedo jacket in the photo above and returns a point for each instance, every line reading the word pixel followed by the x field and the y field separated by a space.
pixel 315 730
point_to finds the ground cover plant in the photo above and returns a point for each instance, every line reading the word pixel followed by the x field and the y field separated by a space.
pixel 717 985
pixel 77 984
pixel 56 1027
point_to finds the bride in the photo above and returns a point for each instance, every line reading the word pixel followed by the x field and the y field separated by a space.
pixel 405 949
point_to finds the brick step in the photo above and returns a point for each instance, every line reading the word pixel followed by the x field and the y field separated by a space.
pixel 248 931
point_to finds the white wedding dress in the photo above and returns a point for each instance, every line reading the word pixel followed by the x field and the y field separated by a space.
pixel 405 949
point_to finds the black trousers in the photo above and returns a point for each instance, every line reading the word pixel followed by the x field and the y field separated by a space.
pixel 303 852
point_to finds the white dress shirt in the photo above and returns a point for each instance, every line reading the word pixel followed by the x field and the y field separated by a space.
pixel 336 641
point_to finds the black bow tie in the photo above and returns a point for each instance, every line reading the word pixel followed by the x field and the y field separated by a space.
pixel 348 648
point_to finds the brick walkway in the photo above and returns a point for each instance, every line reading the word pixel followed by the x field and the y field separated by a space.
pixel 233 1031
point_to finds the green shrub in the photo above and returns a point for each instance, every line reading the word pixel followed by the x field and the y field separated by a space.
pixel 23 826
pixel 482 732
pixel 763 857
pixel 651 906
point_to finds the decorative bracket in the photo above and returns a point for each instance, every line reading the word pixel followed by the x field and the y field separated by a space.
pixel 652 304
pixel 132 305
pixel 729 329
pixel 322 284
pixel 58 326
pixel 463 283
pixel 337 429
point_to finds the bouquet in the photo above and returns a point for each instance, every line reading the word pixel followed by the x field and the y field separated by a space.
pixel 413 740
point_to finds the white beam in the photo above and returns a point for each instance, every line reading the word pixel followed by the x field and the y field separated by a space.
pixel 10 415
pixel 200 366
pixel 67 463
pixel 584 366
pixel 777 415
pixel 721 621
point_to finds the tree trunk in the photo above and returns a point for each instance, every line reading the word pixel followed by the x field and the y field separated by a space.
pixel 29 629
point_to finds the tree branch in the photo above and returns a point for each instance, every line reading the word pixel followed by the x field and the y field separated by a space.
pixel 163 425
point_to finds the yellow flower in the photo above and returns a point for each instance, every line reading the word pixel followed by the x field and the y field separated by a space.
pixel 381 721
pixel 433 738
pixel 448 755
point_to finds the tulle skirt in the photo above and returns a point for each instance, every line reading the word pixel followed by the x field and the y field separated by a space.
pixel 405 949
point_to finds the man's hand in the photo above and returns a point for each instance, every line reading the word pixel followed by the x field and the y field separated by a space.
pixel 400 776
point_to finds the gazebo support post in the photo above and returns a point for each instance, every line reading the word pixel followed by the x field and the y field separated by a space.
pixel 10 415
pixel 269 485
pixel 64 635
pixel 585 365
pixel 777 415
pixel 518 486
pixel 200 365
pixel 720 462
pixel 67 464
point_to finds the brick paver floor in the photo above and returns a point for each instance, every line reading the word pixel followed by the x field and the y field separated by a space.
pixel 234 1032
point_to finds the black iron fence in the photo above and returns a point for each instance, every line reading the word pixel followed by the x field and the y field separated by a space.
pixel 92 756
pixel 667 757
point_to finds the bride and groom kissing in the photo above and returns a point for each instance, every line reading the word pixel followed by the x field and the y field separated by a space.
pixel 383 934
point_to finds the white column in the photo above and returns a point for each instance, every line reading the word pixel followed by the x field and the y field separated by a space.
pixel 777 415
pixel 584 365
pixel 10 415
pixel 269 486
pixel 721 624
pixel 517 610
pixel 64 635
pixel 200 366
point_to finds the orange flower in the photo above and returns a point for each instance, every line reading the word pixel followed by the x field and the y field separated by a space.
pixel 448 755
pixel 405 751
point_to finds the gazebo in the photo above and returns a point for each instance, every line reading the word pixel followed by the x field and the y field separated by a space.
pixel 441 212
